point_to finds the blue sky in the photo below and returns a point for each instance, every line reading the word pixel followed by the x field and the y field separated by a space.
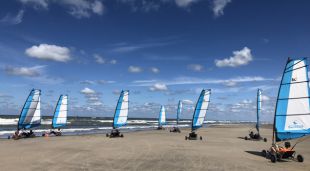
pixel 162 51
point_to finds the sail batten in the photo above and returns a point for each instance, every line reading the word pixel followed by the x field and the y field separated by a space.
pixel 61 112
pixel 121 111
pixel 31 113
pixel 292 115
pixel 201 109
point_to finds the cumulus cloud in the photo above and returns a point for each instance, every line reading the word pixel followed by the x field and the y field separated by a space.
pixel 24 71
pixel 87 91
pixel 113 61
pixel 105 82
pixel 77 8
pixel 13 20
pixel 134 69
pixel 239 58
pixel 49 52
pixel 159 87
pixel 218 7
pixel 154 70
pixel 230 83
pixel 195 67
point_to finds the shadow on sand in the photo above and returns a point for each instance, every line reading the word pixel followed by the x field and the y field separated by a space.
pixel 241 138
pixel 257 153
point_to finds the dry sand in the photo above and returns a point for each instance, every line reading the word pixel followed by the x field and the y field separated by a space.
pixel 221 149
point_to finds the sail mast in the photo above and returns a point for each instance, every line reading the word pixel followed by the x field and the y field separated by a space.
pixel 179 111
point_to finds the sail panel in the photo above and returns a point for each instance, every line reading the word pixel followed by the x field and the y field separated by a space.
pixel 121 111
pixel 179 111
pixel 31 114
pixel 162 116
pixel 292 117
pixel 61 112
pixel 259 107
pixel 201 109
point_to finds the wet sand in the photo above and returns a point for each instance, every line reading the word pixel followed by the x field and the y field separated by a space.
pixel 220 149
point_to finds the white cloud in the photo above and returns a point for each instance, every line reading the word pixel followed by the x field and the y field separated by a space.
pixel 218 7
pixel 184 3
pixel 9 19
pixel 134 69
pixel 242 57
pixel 105 82
pixel 24 71
pixel 83 8
pixel 49 52
pixel 159 87
pixel 37 4
pixel 188 102
pixel 155 70
pixel 88 82
pixel 230 83
pixel 265 98
pixel 113 61
pixel 88 91
pixel 77 8
pixel 194 80
pixel 99 59
pixel 195 67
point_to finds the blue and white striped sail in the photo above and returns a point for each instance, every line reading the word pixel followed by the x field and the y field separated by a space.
pixel 31 113
pixel 292 115
pixel 61 112
pixel 121 111
pixel 162 116
pixel 259 107
pixel 179 111
pixel 201 109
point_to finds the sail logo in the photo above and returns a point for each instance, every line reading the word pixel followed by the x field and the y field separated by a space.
pixel 294 79
pixel 295 125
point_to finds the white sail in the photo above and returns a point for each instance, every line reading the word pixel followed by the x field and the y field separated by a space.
pixel 61 112
pixel 121 112
pixel 162 116
pixel 31 112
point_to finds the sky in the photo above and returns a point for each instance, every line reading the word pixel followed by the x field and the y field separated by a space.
pixel 162 51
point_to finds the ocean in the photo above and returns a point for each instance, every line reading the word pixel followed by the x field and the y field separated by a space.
pixel 96 125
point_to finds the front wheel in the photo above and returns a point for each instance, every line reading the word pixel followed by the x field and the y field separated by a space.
pixel 185 137
pixel 246 138
pixel 265 139
pixel 300 158
pixel 107 135
pixel 122 135
pixel 273 158
pixel 200 137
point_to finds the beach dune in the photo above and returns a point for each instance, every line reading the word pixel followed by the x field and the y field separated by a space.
pixel 220 149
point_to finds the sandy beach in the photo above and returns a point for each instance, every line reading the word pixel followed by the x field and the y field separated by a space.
pixel 220 149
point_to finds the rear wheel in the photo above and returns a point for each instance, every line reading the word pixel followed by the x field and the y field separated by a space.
pixel 200 137
pixel 265 139
pixel 300 158
pixel 107 135
pixel 185 137
pixel 264 153
pixel 273 158
pixel 122 135
pixel 246 138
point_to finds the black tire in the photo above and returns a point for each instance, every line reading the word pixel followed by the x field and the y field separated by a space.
pixel 107 135
pixel 122 135
pixel 264 153
pixel 300 158
pixel 246 138
pixel 265 139
pixel 273 158
pixel 185 137
pixel 200 137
